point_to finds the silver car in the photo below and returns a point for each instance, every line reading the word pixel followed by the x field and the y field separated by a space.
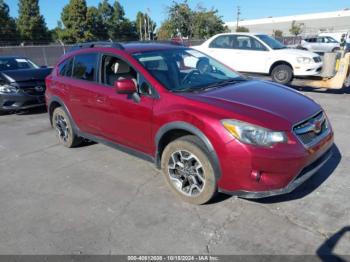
pixel 320 44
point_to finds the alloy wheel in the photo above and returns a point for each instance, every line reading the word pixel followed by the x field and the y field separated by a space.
pixel 186 173
pixel 62 128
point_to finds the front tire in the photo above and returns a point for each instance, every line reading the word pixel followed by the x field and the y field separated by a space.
pixel 282 74
pixel 187 168
pixel 64 129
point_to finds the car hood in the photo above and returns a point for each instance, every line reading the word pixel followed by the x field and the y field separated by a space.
pixel 260 102
pixel 25 74
pixel 295 52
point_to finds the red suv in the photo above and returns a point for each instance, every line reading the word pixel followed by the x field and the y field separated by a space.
pixel 208 128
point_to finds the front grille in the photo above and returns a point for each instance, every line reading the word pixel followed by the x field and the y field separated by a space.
pixel 312 130
pixel 317 59
pixel 34 91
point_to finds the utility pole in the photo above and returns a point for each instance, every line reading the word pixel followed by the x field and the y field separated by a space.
pixel 148 24
pixel 238 14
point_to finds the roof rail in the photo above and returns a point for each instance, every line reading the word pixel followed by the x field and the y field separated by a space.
pixel 96 44
pixel 170 42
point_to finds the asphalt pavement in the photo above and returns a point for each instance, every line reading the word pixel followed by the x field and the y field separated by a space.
pixel 97 200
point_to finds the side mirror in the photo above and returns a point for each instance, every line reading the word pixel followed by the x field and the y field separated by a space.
pixel 43 66
pixel 125 86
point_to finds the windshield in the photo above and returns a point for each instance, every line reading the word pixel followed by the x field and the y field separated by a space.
pixel 331 40
pixel 271 42
pixel 186 70
pixel 7 64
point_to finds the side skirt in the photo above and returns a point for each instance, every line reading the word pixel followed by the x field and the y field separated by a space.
pixel 117 146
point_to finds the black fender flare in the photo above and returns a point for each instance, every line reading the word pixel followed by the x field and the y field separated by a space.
pixel 56 99
pixel 191 129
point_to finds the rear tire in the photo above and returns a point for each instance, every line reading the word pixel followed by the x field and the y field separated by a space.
pixel 64 129
pixel 187 168
pixel 282 74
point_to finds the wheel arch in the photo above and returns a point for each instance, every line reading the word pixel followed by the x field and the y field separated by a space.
pixel 172 131
pixel 57 102
pixel 280 62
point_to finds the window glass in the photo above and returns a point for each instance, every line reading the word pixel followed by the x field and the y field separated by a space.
pixel 65 68
pixel 248 43
pixel 85 67
pixel 224 41
pixel 114 68
pixel 186 70
pixel 331 40
pixel 271 42
pixel 7 64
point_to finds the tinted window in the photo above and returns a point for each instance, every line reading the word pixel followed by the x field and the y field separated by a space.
pixel 65 68
pixel 85 67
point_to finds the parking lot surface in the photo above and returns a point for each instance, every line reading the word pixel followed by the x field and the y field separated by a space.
pixel 97 200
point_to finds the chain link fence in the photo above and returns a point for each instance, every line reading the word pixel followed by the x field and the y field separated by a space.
pixel 47 55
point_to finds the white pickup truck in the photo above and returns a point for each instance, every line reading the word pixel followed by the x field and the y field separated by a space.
pixel 262 54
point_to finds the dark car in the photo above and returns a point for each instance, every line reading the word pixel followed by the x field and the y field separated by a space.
pixel 22 83
pixel 207 127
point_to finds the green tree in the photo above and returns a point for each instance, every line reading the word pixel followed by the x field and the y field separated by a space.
pixel 296 28
pixel 145 26
pixel 106 11
pixel 277 33
pixel 8 30
pixel 181 18
pixel 185 22
pixel 242 29
pixel 207 23
pixel 31 24
pixel 165 31
pixel 73 17
pixel 95 28
pixel 121 28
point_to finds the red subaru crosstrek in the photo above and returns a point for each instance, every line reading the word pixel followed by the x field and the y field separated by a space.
pixel 208 128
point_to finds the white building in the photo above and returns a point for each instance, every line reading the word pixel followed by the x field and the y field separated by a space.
pixel 338 21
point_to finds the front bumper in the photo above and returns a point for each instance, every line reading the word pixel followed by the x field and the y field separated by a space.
pixel 20 101
pixel 307 70
pixel 304 175
pixel 280 169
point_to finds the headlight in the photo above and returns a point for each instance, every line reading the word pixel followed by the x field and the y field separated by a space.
pixel 252 134
pixel 8 89
pixel 304 60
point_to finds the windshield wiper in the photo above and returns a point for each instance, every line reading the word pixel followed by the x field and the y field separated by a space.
pixel 221 83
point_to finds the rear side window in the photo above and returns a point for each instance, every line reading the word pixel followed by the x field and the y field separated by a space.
pixel 85 67
pixel 65 68
pixel 222 42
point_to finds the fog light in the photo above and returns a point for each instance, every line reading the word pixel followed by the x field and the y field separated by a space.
pixel 256 175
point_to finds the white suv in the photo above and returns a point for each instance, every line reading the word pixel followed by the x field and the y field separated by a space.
pixel 259 53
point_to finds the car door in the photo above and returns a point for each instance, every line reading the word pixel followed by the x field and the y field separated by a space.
pixel 322 45
pixel 82 93
pixel 121 118
pixel 221 49
pixel 252 54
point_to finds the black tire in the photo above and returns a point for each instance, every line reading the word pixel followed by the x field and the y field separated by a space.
pixel 282 74
pixel 64 129
pixel 203 178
